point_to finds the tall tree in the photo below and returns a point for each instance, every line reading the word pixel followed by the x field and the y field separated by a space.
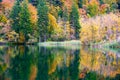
pixel 65 14
pixel 93 9
pixel 15 16
pixel 25 21
pixel 101 1
pixel 56 2
pixel 43 20
pixel 34 2
pixel 80 3
pixel 21 22
pixel 74 20
pixel 118 2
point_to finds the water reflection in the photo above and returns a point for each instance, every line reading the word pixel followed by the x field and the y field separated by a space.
pixel 21 64
pixel 43 65
pixel 48 63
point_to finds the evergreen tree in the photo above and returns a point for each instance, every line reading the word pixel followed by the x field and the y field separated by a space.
pixel 21 22
pixel 43 20
pixel 118 2
pixel 34 2
pixel 56 2
pixel 74 20
pixel 15 16
pixel 101 1
pixel 65 14
pixel 80 3
pixel 25 22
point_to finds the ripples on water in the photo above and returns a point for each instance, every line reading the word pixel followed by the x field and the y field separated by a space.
pixel 58 63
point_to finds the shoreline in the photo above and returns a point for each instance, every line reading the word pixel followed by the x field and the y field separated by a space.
pixel 64 43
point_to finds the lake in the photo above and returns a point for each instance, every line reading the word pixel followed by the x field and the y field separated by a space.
pixel 58 63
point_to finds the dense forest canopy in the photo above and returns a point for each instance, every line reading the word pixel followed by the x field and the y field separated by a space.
pixel 58 20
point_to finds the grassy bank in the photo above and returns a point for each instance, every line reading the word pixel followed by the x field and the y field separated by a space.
pixel 112 44
pixel 65 44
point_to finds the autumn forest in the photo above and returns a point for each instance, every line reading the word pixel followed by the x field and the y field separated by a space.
pixel 59 39
pixel 90 21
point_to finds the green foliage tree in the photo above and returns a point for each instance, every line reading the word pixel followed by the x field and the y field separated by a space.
pixel 60 13
pixel 65 14
pixel 21 22
pixel 93 9
pixel 25 21
pixel 118 2
pixel 34 2
pixel 43 20
pixel 74 20
pixel 101 1
pixel 15 16
pixel 56 2
pixel 80 3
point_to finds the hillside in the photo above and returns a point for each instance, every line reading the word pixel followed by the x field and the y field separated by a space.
pixel 59 20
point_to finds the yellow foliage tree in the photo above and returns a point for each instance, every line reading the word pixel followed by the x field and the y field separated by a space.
pixel 55 31
pixel 33 12
pixel 99 29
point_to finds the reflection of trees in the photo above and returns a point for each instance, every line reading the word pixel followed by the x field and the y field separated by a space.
pixel 20 65
pixel 74 66
pixel 58 63
pixel 42 64
pixel 93 60
pixel 58 66
pixel 63 72
pixel 106 64
pixel 4 61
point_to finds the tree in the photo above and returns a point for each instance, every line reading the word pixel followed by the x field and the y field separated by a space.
pixel 25 21
pixel 43 20
pixel 21 21
pixel 101 1
pixel 93 9
pixel 56 2
pixel 55 30
pixel 80 3
pixel 15 16
pixel 3 18
pixel 74 20
pixel 118 2
pixel 34 2
pixel 52 24
pixel 65 14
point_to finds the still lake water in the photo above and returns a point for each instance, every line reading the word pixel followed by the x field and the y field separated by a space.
pixel 58 63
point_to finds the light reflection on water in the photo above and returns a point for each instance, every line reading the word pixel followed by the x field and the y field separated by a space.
pixel 48 63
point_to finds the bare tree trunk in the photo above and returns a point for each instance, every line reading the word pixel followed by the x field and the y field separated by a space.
pixel 45 38
pixel 39 39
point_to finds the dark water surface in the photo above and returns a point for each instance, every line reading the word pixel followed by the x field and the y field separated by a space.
pixel 58 63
